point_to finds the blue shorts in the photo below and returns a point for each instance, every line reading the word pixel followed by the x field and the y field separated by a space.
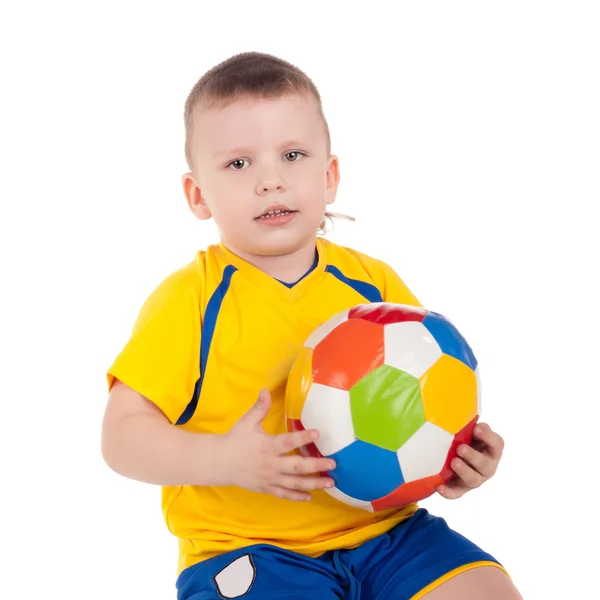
pixel 403 564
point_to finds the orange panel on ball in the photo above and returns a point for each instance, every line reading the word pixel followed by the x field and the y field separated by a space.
pixel 407 493
pixel 449 391
pixel 351 351
pixel 298 383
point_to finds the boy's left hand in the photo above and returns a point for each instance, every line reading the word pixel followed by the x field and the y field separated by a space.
pixel 474 464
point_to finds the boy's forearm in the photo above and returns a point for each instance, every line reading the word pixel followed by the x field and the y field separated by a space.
pixel 151 450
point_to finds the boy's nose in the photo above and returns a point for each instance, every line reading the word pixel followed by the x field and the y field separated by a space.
pixel 269 185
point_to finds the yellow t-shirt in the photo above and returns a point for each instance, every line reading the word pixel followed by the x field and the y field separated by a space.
pixel 207 339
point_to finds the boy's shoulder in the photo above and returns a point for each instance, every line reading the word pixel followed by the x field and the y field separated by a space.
pixel 359 265
pixel 182 282
pixel 188 275
pixel 193 273
pixel 352 258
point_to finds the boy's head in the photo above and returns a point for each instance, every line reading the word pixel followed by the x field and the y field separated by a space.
pixel 257 140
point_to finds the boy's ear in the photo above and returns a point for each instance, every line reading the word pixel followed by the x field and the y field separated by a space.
pixel 332 178
pixel 194 198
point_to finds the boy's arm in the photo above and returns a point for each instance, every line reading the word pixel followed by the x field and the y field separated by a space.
pixel 150 385
pixel 139 442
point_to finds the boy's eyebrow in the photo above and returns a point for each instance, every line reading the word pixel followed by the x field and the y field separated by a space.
pixel 233 152
pixel 241 151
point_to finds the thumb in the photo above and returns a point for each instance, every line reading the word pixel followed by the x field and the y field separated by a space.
pixel 260 409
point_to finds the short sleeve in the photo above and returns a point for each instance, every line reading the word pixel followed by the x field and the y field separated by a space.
pixel 394 289
pixel 161 359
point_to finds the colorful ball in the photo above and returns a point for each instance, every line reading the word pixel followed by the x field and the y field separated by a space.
pixel 393 391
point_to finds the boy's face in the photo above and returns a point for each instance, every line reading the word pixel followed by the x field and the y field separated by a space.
pixel 257 155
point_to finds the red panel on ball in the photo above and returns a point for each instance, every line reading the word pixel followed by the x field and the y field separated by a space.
pixel 407 493
pixel 464 436
pixel 351 351
pixel 385 313
pixel 294 425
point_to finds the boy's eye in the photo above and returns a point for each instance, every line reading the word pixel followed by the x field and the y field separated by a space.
pixel 237 164
pixel 293 156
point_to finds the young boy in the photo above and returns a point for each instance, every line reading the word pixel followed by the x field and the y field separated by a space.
pixel 251 516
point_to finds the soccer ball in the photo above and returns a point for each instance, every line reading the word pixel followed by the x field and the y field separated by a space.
pixel 393 390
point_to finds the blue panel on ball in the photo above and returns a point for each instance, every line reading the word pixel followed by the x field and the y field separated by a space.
pixel 449 339
pixel 366 472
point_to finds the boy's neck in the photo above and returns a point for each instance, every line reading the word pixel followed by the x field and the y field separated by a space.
pixel 288 268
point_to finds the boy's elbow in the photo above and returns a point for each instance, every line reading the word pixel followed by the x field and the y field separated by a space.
pixel 128 429
pixel 109 445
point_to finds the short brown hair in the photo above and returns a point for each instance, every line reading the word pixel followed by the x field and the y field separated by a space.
pixel 254 74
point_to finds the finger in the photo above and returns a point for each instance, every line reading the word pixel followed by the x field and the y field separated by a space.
pixel 286 442
pixel 482 463
pixel 304 483
pixel 296 495
pixel 300 465
pixel 493 441
pixel 451 492
pixel 260 409
pixel 467 475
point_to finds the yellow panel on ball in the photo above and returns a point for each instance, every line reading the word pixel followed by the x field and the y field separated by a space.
pixel 298 384
pixel 449 390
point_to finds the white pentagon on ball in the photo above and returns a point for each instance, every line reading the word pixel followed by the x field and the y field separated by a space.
pixel 425 453
pixel 327 409
pixel 410 347
pixel 339 495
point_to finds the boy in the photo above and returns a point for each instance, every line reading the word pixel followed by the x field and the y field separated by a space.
pixel 252 518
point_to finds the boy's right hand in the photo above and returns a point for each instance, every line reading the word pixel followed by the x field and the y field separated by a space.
pixel 262 463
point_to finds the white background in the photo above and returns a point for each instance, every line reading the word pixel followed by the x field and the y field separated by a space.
pixel 469 141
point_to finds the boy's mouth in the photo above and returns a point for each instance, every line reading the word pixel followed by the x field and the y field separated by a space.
pixel 276 211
